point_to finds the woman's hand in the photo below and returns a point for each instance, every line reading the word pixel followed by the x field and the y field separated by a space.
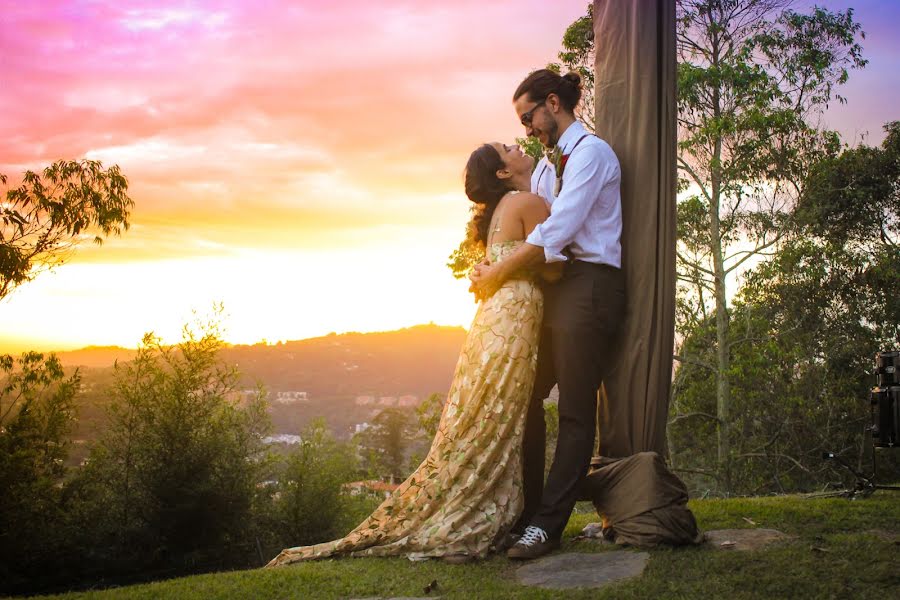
pixel 484 280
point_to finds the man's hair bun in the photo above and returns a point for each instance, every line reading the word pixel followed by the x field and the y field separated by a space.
pixel 572 78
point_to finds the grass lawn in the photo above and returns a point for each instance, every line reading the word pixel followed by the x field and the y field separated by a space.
pixel 842 549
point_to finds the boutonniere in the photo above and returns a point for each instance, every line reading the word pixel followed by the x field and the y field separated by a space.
pixel 559 160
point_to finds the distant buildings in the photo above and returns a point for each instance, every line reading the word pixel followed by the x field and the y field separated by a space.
pixel 291 397
pixel 407 401
pixel 388 401
pixel 365 400
pixel 282 438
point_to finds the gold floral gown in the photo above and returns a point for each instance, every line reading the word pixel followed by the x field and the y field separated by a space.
pixel 468 491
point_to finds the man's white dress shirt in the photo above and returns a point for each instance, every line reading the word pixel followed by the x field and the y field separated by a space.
pixel 587 214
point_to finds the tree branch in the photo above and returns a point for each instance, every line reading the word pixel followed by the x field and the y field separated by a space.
pixel 777 455
pixel 755 251
pixel 677 418
pixel 690 171
pixel 695 362
pixel 693 264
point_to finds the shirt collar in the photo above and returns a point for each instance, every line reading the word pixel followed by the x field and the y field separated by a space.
pixel 570 136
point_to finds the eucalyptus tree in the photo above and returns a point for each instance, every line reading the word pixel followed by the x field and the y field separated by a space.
pixel 817 311
pixel 754 78
pixel 49 213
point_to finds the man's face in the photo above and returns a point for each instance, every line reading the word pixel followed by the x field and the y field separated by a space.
pixel 537 119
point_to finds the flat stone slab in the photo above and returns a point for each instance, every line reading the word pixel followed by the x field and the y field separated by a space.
pixel 578 570
pixel 744 539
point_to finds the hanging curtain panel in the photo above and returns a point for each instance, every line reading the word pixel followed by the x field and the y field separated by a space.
pixel 636 114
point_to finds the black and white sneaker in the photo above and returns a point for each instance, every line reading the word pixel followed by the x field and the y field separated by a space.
pixel 534 543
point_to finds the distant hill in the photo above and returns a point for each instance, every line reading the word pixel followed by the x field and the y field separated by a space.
pixel 417 360
pixel 333 371
pixel 95 356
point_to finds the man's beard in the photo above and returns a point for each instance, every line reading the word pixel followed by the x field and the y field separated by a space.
pixel 552 135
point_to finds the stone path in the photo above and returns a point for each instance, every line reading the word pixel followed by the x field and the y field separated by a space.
pixel 571 570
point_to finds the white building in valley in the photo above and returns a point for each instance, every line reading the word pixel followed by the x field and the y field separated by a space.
pixel 291 397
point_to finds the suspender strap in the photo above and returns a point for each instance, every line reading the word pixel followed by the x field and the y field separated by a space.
pixel 579 141
pixel 547 164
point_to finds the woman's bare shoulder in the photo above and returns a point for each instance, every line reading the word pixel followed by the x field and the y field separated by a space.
pixel 528 202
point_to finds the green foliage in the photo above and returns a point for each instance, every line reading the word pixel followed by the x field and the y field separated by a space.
pixel 47 215
pixel 805 327
pixel 309 503
pixel 753 79
pixel 533 148
pixel 854 198
pixel 172 482
pixel 386 443
pixel 36 415
pixel 428 414
pixel 178 482
pixel 790 405
pixel 469 253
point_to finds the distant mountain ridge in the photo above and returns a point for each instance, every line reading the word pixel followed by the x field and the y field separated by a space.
pixel 416 360
pixel 95 357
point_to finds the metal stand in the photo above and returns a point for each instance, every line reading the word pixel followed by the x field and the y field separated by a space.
pixel 884 410
pixel 865 485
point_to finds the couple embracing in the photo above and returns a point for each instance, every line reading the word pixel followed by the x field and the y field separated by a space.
pixel 552 298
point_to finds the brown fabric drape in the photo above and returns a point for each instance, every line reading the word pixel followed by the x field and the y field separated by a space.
pixel 636 114
pixel 644 504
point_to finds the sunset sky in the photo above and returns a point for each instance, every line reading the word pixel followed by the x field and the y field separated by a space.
pixel 300 162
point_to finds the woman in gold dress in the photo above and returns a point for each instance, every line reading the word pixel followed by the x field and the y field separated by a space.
pixel 467 493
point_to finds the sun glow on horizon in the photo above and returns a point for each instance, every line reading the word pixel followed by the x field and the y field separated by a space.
pixel 272 295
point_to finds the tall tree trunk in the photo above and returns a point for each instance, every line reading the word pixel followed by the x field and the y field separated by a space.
pixel 723 388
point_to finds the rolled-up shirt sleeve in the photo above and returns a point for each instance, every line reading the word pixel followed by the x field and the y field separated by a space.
pixel 587 172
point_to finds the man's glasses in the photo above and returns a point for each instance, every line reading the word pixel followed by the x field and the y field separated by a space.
pixel 527 117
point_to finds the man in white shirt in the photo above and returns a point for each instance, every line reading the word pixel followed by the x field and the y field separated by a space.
pixel 583 310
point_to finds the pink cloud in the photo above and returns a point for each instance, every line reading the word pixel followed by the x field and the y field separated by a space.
pixel 245 106
pixel 94 74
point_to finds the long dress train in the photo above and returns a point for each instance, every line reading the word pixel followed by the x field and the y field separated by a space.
pixel 468 490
